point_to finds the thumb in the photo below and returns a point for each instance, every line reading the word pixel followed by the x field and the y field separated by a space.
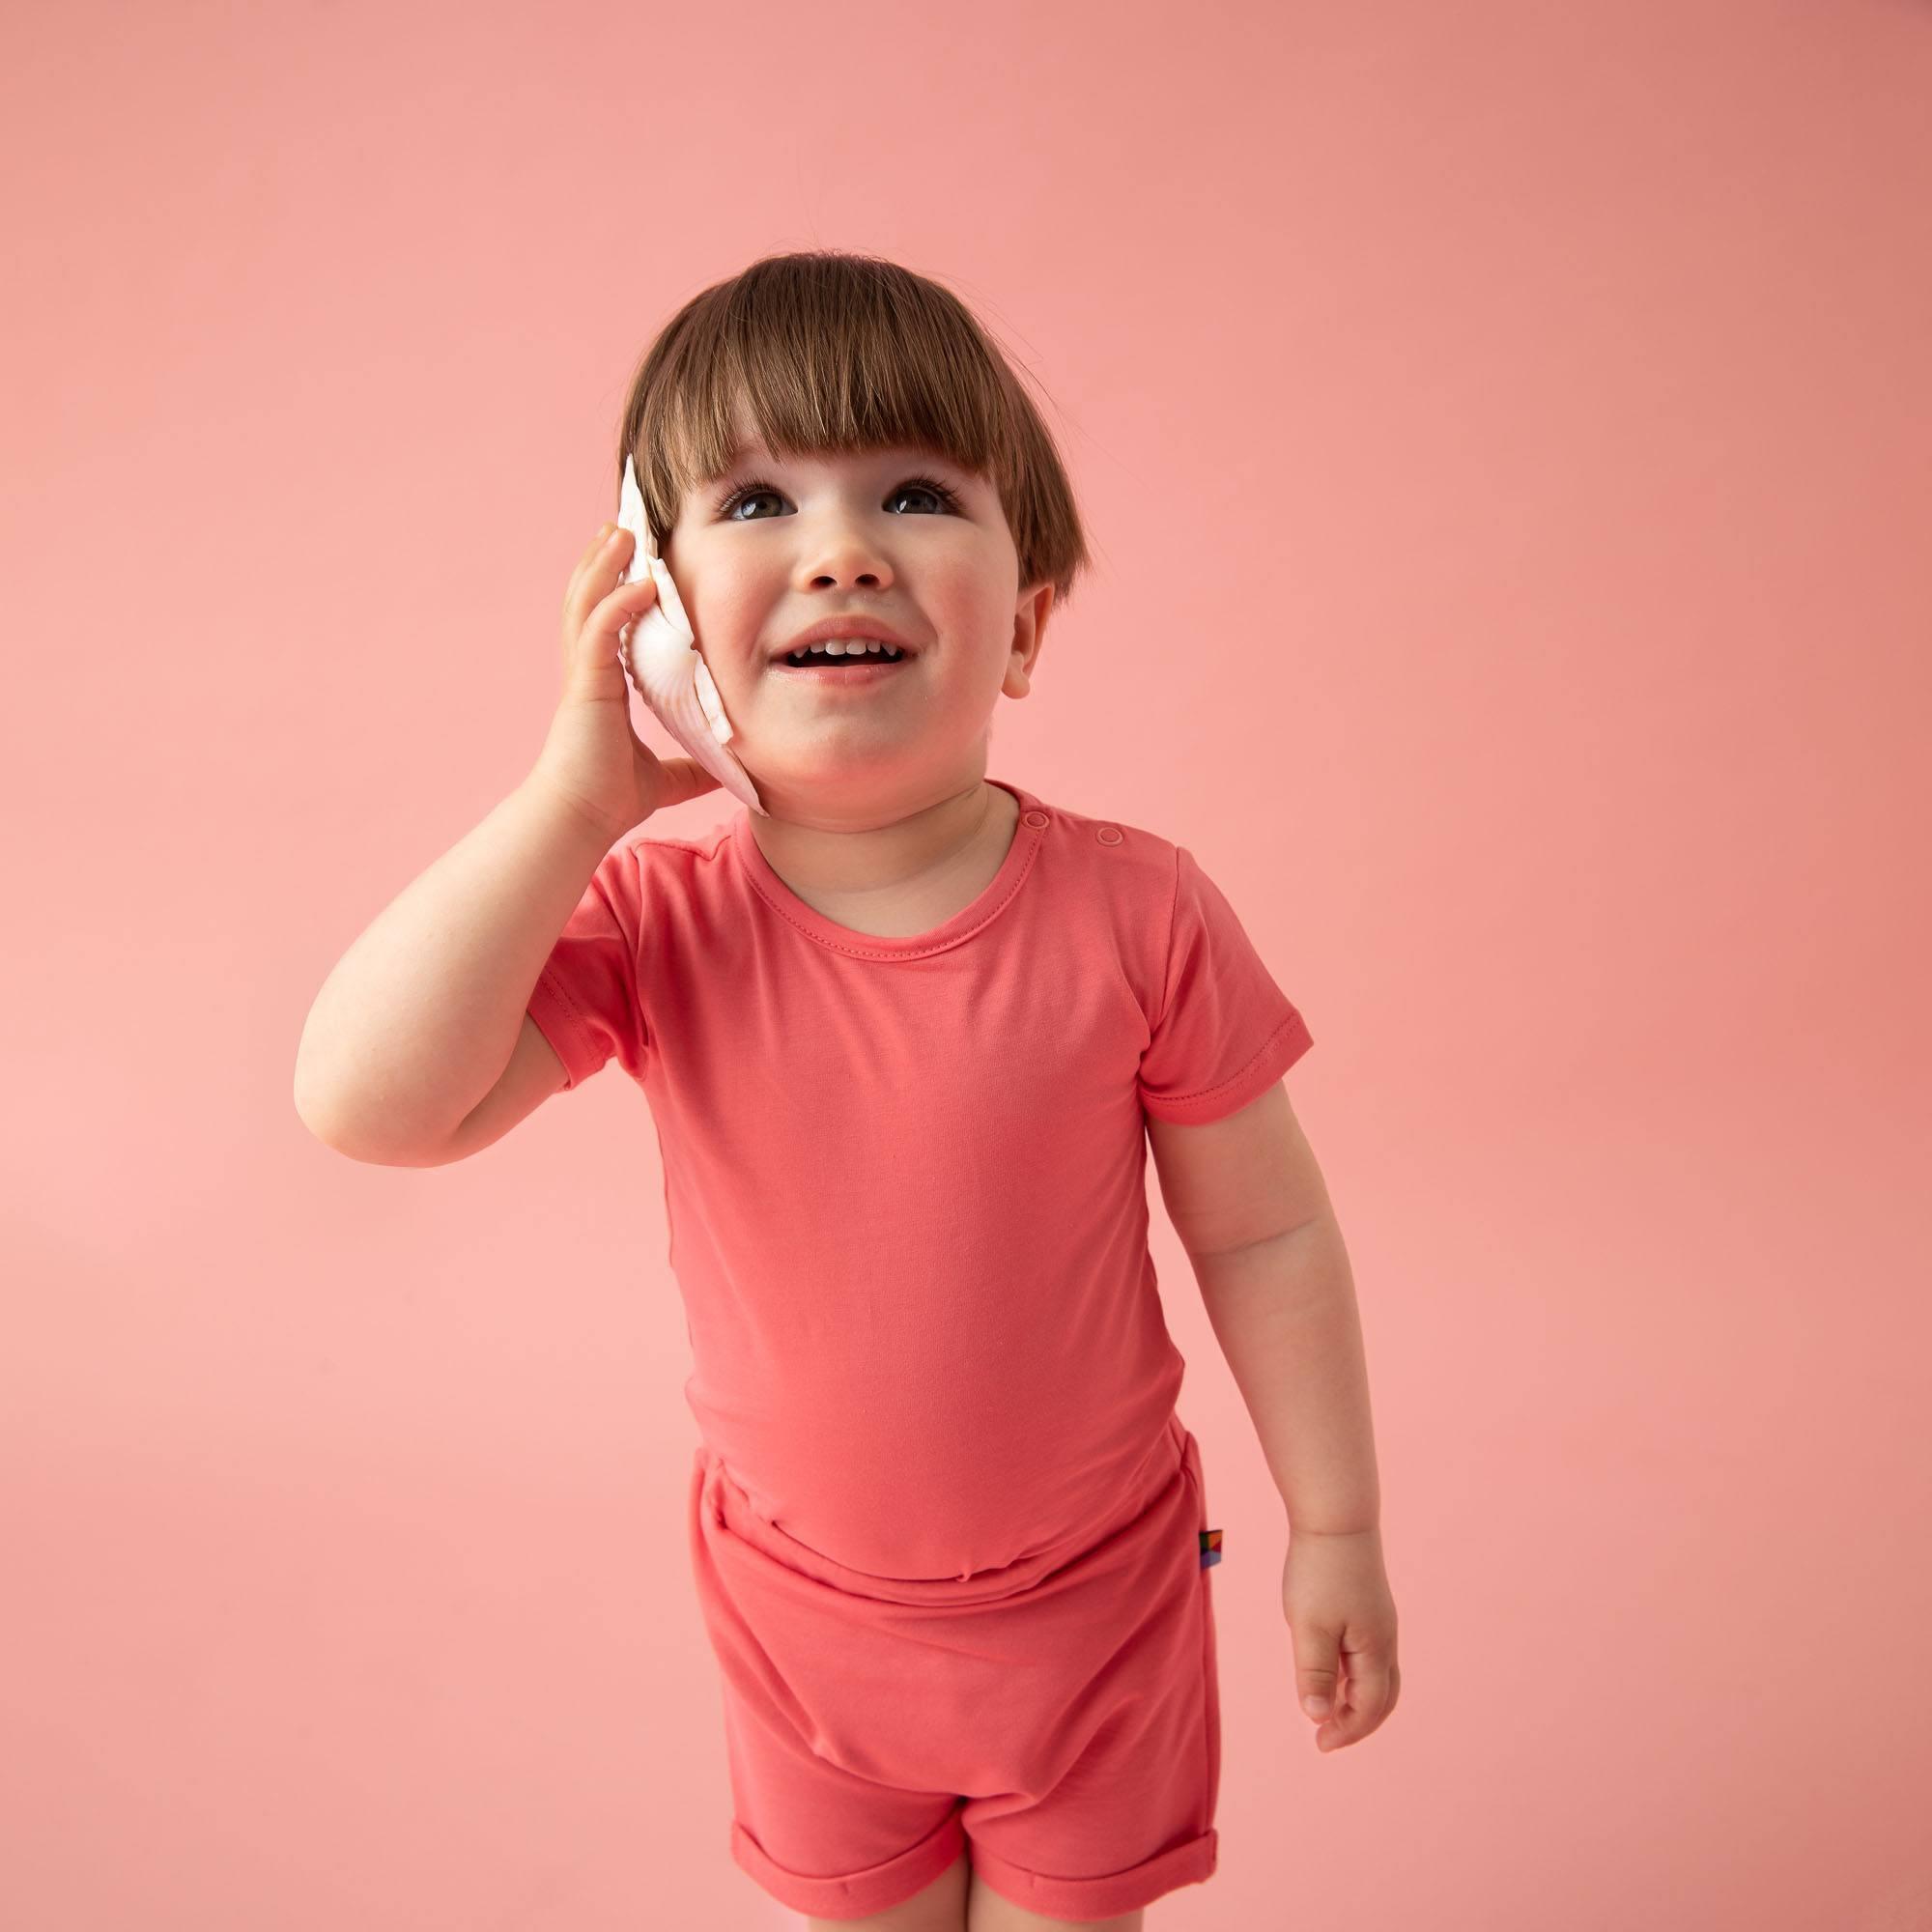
pixel 1315 1674
pixel 683 778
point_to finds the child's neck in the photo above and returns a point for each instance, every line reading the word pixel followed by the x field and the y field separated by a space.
pixel 898 879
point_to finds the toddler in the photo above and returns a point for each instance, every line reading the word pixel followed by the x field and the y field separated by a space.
pixel 906 1032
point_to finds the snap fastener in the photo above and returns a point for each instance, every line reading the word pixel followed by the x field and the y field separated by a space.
pixel 1108 835
pixel 1034 818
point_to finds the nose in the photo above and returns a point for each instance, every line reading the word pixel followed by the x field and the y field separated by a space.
pixel 822 579
pixel 870 580
pixel 845 560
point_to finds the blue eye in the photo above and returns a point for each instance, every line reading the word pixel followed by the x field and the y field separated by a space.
pixel 745 492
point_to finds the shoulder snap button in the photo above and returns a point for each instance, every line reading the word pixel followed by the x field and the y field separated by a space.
pixel 1034 818
pixel 1108 835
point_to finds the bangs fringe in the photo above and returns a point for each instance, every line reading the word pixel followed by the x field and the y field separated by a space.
pixel 830 352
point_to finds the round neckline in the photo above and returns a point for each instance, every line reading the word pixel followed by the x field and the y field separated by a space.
pixel 1029 829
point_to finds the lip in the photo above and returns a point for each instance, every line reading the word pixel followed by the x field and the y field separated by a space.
pixel 851 625
pixel 860 678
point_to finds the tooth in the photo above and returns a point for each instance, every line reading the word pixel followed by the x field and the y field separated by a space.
pixel 843 647
pixel 665 662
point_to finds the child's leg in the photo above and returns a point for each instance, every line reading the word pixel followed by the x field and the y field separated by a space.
pixel 940 1908
pixel 987 1912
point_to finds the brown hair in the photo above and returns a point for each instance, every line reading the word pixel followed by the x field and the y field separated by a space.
pixel 834 351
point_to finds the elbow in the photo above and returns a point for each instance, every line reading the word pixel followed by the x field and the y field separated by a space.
pixel 329 1126
pixel 312 1109
pixel 369 1150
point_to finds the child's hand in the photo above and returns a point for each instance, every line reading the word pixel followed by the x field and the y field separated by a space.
pixel 1341 1618
pixel 591 754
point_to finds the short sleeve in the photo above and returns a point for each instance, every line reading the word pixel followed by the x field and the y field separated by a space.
pixel 585 999
pixel 1225 1032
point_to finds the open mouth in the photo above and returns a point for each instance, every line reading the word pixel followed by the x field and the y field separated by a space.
pixel 819 659
pixel 852 672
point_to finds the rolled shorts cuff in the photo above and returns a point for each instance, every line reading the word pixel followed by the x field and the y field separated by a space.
pixel 1102 1897
pixel 859 1894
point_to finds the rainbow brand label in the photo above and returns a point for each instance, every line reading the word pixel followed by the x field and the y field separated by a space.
pixel 1211 1546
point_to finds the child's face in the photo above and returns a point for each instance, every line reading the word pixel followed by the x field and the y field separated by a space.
pixel 835 536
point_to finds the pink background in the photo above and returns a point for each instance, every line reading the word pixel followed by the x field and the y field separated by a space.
pixel 1504 432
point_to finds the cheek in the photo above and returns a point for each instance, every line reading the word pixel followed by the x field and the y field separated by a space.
pixel 991 593
pixel 726 612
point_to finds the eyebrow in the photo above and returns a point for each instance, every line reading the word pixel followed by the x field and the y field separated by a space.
pixel 744 452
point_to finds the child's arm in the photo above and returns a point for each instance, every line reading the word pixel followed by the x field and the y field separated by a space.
pixel 420 1031
pixel 418 1050
pixel 1248 1201
pixel 1251 1207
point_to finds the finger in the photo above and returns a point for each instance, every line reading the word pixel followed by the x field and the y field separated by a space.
pixel 686 778
pixel 593 552
pixel 1368 1694
pixel 597 570
pixel 1316 1680
pixel 599 636
pixel 1339 1728
pixel 591 636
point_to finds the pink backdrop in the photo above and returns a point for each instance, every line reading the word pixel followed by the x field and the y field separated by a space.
pixel 1504 431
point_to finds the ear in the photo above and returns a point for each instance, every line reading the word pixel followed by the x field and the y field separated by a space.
pixel 1035 605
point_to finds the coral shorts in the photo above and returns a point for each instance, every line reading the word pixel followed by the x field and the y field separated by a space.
pixel 1062 1716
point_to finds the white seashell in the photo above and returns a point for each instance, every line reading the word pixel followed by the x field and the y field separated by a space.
pixel 661 653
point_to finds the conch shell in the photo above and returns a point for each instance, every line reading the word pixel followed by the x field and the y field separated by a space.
pixel 660 651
